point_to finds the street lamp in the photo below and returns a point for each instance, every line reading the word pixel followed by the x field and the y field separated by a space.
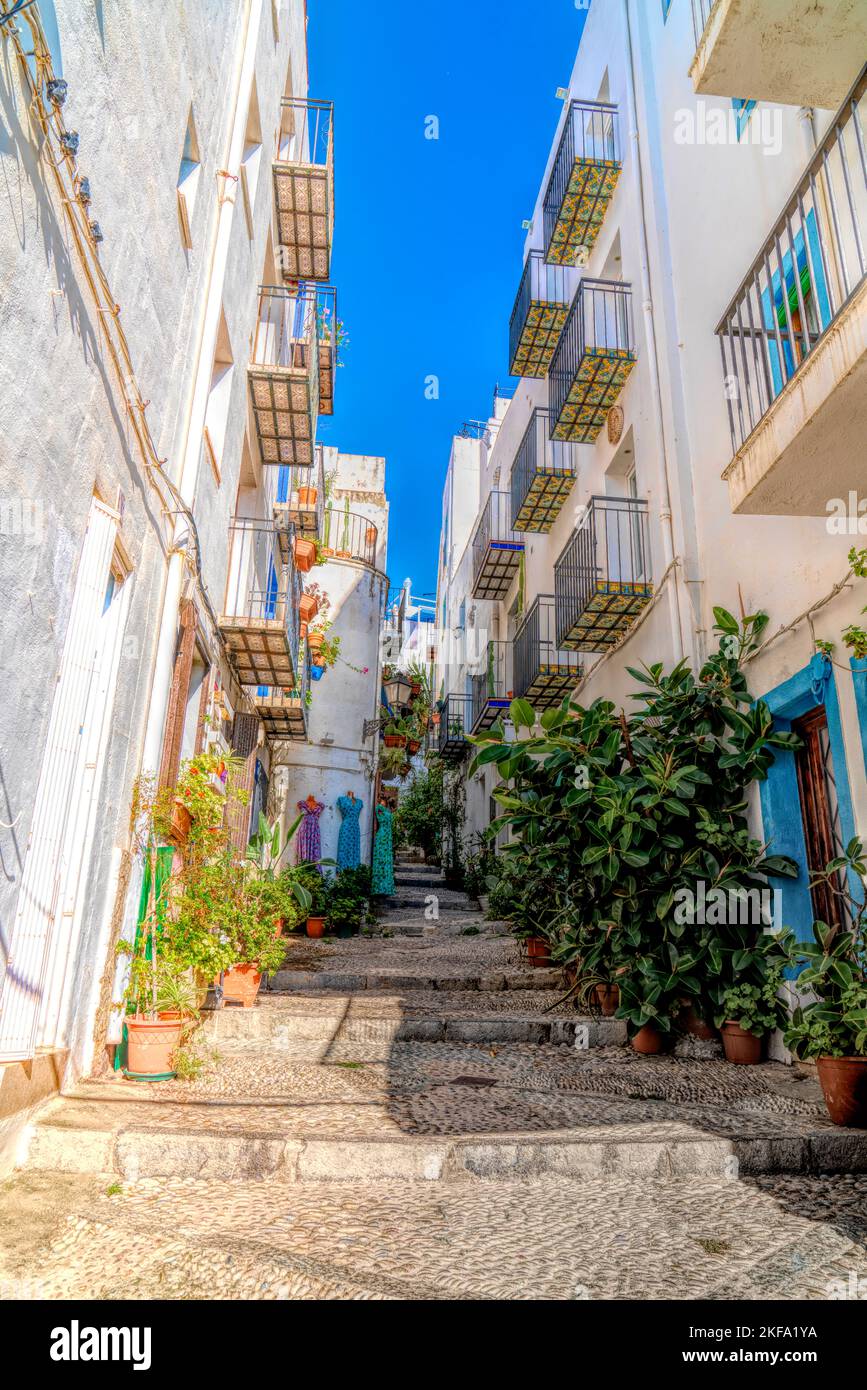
pixel 397 690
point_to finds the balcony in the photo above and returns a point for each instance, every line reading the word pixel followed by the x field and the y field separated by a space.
pixel 543 674
pixel 542 477
pixel 774 50
pixel 350 536
pixel 283 712
pixel 602 576
pixel 300 503
pixel 330 332
pixel 497 548
pixel 585 173
pixel 259 619
pixel 303 172
pixel 794 339
pixel 283 376
pixel 454 726
pixel 593 360
pixel 539 315
pixel 491 689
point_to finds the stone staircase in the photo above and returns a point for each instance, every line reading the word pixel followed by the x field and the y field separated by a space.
pixel 426 1054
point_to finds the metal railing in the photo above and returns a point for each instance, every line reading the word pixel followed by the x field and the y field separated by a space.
pixel 455 720
pixel 329 331
pixel 544 464
pixel 540 283
pixel 539 665
pixel 296 486
pixel 700 15
pixel 494 528
pixel 349 536
pixel 602 572
pixel 261 586
pixel 599 324
pixel 286 333
pixel 306 134
pixel 477 429
pixel 809 268
pixel 591 133
pixel 491 688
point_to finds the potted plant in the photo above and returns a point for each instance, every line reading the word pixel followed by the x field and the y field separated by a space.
pixel 257 951
pixel 347 908
pixel 304 552
pixel 394 734
pixel 307 496
pixel 311 879
pixel 749 1012
pixel 831 1028
pixel 314 600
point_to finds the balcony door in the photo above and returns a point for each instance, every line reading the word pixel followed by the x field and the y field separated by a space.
pixel 820 811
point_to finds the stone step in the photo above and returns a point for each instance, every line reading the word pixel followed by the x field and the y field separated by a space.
pixel 420 901
pixel 488 981
pixel 415 1016
pixel 417 881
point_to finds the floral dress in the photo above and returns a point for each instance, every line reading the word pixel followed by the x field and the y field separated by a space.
pixel 349 839
pixel 383 856
pixel 309 845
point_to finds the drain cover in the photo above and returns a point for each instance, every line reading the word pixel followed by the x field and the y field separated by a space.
pixel 474 1081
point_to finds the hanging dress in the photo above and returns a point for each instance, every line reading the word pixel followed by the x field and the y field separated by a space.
pixel 383 857
pixel 309 839
pixel 349 839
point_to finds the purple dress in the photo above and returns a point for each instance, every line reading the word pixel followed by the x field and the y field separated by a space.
pixel 309 838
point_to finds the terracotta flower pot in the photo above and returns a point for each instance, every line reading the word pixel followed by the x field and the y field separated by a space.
pixel 151 1045
pixel 394 740
pixel 608 999
pixel 302 630
pixel 315 640
pixel 308 607
pixel 844 1085
pixel 180 825
pixel 241 985
pixel 648 1040
pixel 413 745
pixel 307 496
pixel 370 535
pixel 305 555
pixel 327 550
pixel 343 554
pixel 538 951
pixel 315 926
pixel 740 1046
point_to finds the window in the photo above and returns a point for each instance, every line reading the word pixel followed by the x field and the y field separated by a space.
pixel 217 412
pixel 743 111
pixel 192 735
pixel 666 6
pixel 188 181
pixel 252 159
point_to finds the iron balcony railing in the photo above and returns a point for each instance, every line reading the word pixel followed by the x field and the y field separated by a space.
pixel 542 476
pixel 349 536
pixel 541 306
pixel 260 618
pixel 391 634
pixel 455 720
pixel 602 576
pixel 583 179
pixel 284 710
pixel 330 333
pixel 543 674
pixel 592 361
pixel 491 688
pixel 496 548
pixel 303 173
pixel 284 374
pixel 300 497
pixel 700 15
pixel 808 270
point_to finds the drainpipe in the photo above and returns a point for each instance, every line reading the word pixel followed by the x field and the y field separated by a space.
pixel 665 515
pixel 195 422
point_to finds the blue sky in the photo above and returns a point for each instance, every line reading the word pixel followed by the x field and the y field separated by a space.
pixel 428 239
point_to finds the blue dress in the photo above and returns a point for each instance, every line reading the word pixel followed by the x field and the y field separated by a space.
pixel 383 857
pixel 349 839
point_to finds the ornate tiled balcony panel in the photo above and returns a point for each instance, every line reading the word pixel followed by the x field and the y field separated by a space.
pixel 593 360
pixel 259 619
pixel 283 376
pixel 798 55
pixel 543 673
pixel 283 712
pixel 303 172
pixel 300 502
pixel 455 719
pixel 539 314
pixel 330 331
pixel 602 576
pixel 497 548
pixel 492 687
pixel 794 338
pixel 585 173
pixel 542 476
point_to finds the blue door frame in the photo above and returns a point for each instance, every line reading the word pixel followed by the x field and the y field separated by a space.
pixel 780 799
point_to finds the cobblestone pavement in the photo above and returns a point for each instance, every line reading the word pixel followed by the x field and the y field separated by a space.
pixel 633 1195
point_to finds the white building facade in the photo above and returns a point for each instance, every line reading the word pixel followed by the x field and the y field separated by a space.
pixel 690 339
